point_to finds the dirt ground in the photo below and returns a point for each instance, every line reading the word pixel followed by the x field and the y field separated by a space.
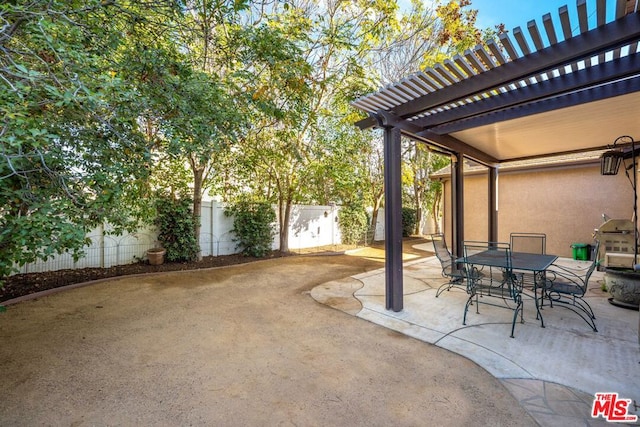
pixel 240 345
pixel 20 285
pixel 25 284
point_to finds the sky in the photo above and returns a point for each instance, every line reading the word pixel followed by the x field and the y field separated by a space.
pixel 516 13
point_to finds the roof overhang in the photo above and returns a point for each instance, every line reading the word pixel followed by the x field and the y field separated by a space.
pixel 493 105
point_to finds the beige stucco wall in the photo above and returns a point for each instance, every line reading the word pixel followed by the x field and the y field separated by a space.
pixel 564 203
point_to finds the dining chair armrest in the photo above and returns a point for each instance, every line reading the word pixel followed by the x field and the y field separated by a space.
pixel 565 274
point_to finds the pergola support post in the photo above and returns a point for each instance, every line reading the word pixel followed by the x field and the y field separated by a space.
pixel 457 204
pixel 493 205
pixel 393 219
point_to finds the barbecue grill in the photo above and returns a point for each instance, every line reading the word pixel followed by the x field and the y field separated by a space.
pixel 616 243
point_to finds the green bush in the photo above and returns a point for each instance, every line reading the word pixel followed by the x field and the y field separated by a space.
pixel 354 223
pixel 176 228
pixel 252 225
pixel 408 221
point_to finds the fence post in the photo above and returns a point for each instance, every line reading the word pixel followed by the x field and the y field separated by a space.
pixel 102 246
pixel 211 227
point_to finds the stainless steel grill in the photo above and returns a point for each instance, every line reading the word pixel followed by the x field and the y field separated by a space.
pixel 616 243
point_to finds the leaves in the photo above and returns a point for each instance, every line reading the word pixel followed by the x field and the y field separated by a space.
pixel 253 226
pixel 175 224
pixel 202 95
pixel 71 155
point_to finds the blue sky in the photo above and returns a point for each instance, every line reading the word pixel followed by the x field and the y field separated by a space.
pixel 516 13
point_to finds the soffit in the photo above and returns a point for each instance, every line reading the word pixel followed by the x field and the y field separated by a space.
pixel 585 127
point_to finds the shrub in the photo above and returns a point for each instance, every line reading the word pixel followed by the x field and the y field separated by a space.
pixel 408 221
pixel 176 228
pixel 354 223
pixel 253 227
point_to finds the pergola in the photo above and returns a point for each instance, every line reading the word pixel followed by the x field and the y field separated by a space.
pixel 510 101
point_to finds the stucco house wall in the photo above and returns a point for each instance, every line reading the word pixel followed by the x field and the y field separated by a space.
pixel 564 201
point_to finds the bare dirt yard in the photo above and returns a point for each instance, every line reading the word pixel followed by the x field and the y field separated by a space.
pixel 24 284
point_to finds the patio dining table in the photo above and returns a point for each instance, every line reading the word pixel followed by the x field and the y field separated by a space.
pixel 536 264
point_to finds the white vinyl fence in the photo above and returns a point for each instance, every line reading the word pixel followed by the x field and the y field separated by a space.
pixel 311 226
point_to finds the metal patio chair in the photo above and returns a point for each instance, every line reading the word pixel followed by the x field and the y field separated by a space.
pixel 449 267
pixel 496 281
pixel 567 287
pixel 533 243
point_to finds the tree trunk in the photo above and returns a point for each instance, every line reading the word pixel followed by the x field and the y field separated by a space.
pixel 198 174
pixel 284 215
pixel 419 219
pixel 435 210
pixel 374 215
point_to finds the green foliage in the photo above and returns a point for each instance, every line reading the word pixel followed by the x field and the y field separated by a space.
pixel 353 222
pixel 71 154
pixel 238 95
pixel 253 226
pixel 408 221
pixel 175 224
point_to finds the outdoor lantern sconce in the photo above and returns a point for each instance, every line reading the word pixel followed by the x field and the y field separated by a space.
pixel 610 164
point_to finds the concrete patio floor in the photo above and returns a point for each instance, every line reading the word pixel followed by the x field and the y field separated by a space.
pixel 553 372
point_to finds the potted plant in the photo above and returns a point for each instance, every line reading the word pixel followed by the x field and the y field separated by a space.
pixel 156 255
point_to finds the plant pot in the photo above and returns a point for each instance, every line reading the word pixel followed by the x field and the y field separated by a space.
pixel 156 256
pixel 624 287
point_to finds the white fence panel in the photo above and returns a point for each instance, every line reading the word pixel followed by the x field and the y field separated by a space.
pixel 104 251
pixel 313 226
pixel 310 226
pixel 215 230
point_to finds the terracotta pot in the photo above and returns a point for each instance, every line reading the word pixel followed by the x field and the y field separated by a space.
pixel 156 256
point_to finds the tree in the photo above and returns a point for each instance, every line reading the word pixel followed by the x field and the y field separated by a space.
pixel 201 122
pixel 434 192
pixel 71 152
pixel 330 38
pixel 222 82
pixel 424 38
pixel 425 194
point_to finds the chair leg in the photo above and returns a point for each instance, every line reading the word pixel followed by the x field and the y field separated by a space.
pixel 442 288
pixel 539 304
pixel 520 309
pixel 577 305
pixel 466 308
pixel 447 286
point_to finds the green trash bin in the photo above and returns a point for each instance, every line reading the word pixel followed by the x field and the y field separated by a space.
pixel 580 251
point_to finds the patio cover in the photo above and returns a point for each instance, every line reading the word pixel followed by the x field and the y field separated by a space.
pixel 510 100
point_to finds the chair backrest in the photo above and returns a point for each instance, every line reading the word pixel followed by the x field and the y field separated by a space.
pixel 493 260
pixel 443 254
pixel 594 263
pixel 533 243
pixel 493 254
pixel 581 280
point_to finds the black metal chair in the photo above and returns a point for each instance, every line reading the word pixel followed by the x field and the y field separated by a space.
pixel 568 286
pixel 496 280
pixel 449 267
pixel 533 243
